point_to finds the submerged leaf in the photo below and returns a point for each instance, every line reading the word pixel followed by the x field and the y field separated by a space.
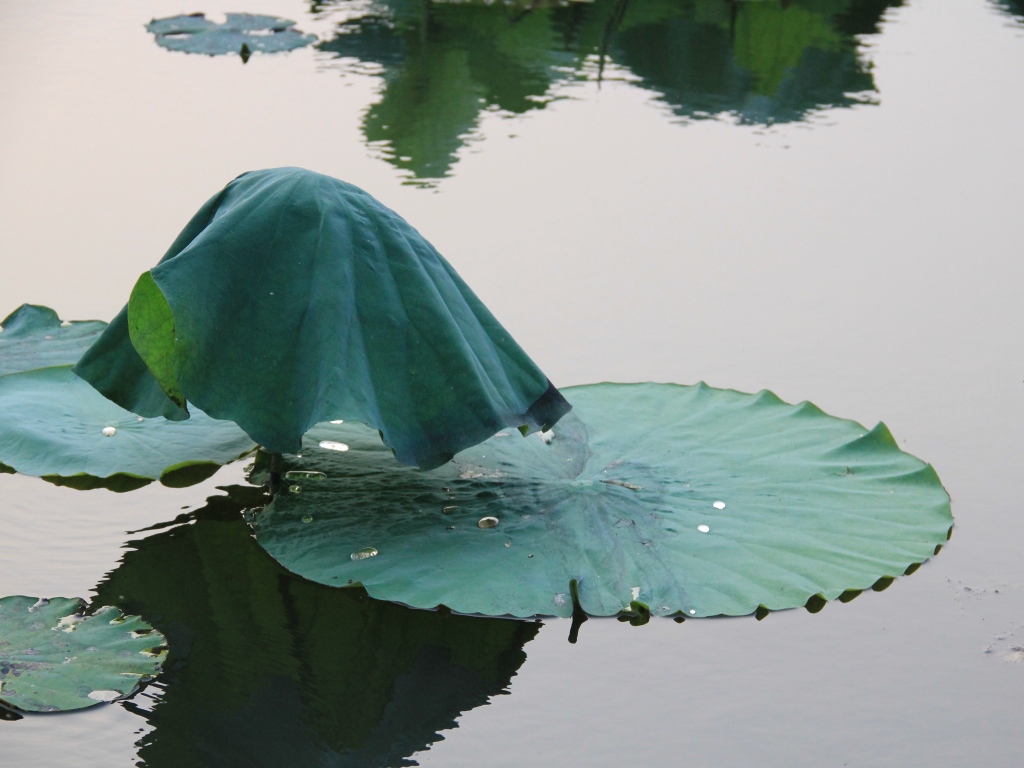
pixel 53 424
pixel 35 337
pixel 196 34
pixel 687 499
pixel 295 299
pixel 53 658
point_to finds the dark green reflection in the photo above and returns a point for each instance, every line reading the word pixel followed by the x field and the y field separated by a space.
pixel 266 669
pixel 1014 8
pixel 762 61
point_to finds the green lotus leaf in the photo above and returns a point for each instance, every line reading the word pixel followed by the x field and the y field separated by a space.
pixel 35 337
pixel 195 33
pixel 688 500
pixel 54 425
pixel 53 658
pixel 293 298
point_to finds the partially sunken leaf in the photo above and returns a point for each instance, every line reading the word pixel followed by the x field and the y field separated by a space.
pixel 686 499
pixel 196 34
pixel 35 337
pixel 53 424
pixel 295 298
pixel 53 658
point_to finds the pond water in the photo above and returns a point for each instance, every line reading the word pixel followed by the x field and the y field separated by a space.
pixel 818 197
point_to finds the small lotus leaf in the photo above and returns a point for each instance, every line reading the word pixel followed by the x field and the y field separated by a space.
pixel 35 337
pixel 197 34
pixel 685 499
pixel 53 658
pixel 52 424
pixel 292 298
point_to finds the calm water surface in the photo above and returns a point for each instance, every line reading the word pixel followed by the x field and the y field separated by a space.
pixel 820 197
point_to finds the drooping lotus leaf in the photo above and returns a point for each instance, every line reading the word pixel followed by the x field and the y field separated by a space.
pixel 194 33
pixel 292 298
pixel 35 337
pixel 54 658
pixel 686 499
pixel 268 669
pixel 54 425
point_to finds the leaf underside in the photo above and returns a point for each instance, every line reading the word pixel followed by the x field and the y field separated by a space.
pixel 151 330
pixel 626 500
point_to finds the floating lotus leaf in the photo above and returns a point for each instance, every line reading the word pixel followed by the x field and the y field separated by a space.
pixel 53 658
pixel 293 298
pixel 196 34
pixel 53 424
pixel 678 499
pixel 35 337
pixel 268 669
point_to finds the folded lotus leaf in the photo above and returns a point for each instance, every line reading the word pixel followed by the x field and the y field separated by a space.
pixel 195 33
pixel 293 298
pixel 53 424
pixel 35 337
pixel 53 658
pixel 680 500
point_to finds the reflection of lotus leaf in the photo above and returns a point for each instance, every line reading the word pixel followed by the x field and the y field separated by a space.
pixel 689 499
pixel 34 337
pixel 279 672
pixel 53 658
pixel 197 34
pixel 443 63
pixel 293 298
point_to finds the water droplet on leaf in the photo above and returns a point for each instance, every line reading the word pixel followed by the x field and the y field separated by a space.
pixel 703 528
pixel 307 519
pixel 295 489
pixel 364 553
pixel 109 431
pixel 719 505
pixel 331 445
pixel 297 474
pixel 488 522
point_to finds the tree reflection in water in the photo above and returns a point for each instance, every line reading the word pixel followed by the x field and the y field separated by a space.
pixel 266 669
pixel 445 63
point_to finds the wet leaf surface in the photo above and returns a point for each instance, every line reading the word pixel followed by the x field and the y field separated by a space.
pixel 55 658
pixel 688 500
pixel 54 425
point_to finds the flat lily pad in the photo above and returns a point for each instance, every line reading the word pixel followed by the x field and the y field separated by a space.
pixel 196 34
pixel 293 298
pixel 35 337
pixel 53 658
pixel 684 500
pixel 54 425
